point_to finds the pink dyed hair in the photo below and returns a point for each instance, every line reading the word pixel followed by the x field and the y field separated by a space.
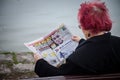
pixel 94 16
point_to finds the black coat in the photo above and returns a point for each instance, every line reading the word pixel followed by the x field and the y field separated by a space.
pixel 97 55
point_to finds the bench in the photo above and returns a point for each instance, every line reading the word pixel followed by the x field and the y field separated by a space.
pixel 115 76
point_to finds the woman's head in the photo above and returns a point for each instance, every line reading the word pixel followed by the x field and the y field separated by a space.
pixel 94 17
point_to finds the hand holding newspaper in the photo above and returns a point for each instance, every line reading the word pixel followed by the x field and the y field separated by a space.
pixel 54 47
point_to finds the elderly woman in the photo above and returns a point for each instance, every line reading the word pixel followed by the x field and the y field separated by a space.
pixel 98 54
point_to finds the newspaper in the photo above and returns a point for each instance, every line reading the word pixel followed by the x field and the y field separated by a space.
pixel 54 47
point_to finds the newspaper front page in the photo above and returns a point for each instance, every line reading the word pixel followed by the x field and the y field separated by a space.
pixel 54 47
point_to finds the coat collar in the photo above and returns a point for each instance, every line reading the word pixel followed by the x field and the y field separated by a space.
pixel 104 37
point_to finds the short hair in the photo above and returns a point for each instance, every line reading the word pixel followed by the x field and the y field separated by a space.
pixel 94 16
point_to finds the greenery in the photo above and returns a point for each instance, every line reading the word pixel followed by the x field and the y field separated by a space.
pixel 17 76
pixel 14 75
pixel 13 56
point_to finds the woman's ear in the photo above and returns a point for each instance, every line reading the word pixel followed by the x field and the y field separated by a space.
pixel 86 33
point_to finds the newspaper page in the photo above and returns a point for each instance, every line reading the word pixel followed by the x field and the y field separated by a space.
pixel 54 47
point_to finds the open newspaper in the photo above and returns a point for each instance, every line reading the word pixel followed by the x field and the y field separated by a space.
pixel 54 47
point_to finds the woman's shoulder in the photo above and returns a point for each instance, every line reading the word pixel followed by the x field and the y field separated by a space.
pixel 115 39
pixel 115 43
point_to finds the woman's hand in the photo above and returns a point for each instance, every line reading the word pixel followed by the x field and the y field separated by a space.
pixel 76 38
pixel 37 57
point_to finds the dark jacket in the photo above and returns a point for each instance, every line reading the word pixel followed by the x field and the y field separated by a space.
pixel 97 55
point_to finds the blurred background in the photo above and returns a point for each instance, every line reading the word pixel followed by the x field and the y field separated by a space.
pixel 26 20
